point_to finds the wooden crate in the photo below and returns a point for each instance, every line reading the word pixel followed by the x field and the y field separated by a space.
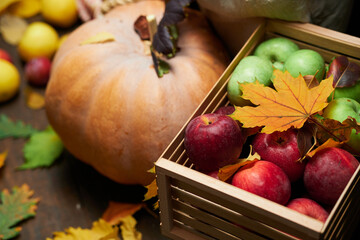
pixel 196 206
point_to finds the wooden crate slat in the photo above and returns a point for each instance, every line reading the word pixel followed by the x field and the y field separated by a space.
pixel 319 36
pixel 325 53
pixel 200 235
pixel 348 226
pixel 214 221
pixel 184 232
pixel 224 213
pixel 166 209
pixel 258 211
pixel 202 227
pixel 340 225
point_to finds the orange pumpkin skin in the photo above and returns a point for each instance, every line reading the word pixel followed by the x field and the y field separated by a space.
pixel 106 102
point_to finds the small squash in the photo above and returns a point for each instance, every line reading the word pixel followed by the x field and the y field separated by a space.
pixel 106 101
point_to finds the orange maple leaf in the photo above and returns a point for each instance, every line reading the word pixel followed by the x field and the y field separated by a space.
pixel 226 172
pixel 290 104
pixel 116 211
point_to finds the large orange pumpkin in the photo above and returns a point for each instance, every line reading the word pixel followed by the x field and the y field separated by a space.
pixel 106 102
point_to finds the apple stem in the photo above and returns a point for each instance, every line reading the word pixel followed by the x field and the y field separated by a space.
pixel 317 123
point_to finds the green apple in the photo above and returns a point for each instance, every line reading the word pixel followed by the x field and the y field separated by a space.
pixel 305 62
pixel 339 109
pixel 352 92
pixel 277 50
pixel 249 69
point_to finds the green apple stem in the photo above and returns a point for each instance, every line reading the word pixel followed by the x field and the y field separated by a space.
pixel 317 123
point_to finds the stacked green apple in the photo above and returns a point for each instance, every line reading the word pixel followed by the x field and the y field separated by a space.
pixel 284 54
pixel 275 53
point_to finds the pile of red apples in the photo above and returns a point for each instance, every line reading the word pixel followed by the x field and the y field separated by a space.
pixel 311 186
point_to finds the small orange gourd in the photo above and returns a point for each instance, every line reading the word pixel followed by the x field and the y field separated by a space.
pixel 107 103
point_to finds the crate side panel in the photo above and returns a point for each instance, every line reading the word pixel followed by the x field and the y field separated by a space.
pixel 205 211
pixel 214 221
pixel 203 227
pixel 264 211
pixel 224 213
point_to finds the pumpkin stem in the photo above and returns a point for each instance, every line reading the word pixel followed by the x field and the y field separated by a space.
pixel 152 25
pixel 161 67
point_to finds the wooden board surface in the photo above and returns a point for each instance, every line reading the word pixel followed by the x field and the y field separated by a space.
pixel 72 194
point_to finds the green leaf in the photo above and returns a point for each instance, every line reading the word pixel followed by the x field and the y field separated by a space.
pixel 17 129
pixel 14 208
pixel 42 149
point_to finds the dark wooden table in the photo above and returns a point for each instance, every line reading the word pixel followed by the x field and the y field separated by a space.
pixel 72 194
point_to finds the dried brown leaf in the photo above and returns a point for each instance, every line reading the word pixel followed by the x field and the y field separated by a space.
pixel 339 131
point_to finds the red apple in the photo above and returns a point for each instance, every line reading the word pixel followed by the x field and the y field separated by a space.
pixel 327 174
pixel 213 141
pixel 213 174
pixel 308 207
pixel 282 149
pixel 37 71
pixel 5 55
pixel 226 110
pixel 264 179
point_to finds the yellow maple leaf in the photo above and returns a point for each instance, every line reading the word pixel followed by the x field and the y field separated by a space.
pixel 34 100
pixel 101 230
pixel 128 230
pixel 290 104
pixel 3 156
pixel 227 171
pixel 117 211
pixel 101 37
pixel 151 190
pixel 329 143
